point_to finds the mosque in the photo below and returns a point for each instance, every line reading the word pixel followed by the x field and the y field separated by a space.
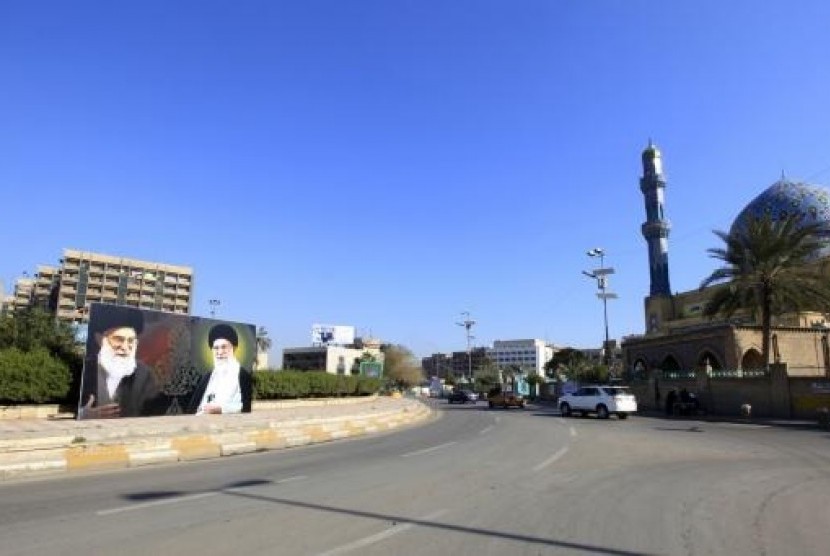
pixel 721 358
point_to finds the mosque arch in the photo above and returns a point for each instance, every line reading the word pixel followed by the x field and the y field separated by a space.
pixel 708 360
pixel 752 359
pixel 639 369
pixel 670 363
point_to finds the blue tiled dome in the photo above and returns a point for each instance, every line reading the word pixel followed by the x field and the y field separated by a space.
pixel 785 198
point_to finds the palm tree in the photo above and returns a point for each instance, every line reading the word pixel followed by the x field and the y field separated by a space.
pixel 771 268
pixel 263 342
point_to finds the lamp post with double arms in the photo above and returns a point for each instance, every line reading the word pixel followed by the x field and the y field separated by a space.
pixel 468 323
pixel 214 304
pixel 601 276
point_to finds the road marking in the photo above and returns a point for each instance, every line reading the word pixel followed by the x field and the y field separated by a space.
pixel 573 431
pixel 559 453
pixel 291 479
pixel 166 501
pixel 372 539
pixel 428 450
pixel 485 430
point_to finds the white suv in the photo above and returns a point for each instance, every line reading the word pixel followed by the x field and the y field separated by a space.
pixel 602 400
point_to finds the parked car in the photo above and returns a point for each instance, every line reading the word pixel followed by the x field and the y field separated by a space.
pixel 461 396
pixel 600 399
pixel 498 398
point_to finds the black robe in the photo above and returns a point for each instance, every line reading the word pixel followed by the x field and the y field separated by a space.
pixel 138 394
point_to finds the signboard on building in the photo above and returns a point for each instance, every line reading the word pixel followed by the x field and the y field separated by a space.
pixel 373 369
pixel 332 335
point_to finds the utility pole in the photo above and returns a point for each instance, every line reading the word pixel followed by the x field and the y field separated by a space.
pixel 601 276
pixel 468 323
pixel 214 303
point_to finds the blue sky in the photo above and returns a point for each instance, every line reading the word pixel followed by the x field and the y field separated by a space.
pixel 389 164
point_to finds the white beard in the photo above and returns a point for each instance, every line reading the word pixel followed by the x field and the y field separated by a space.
pixel 115 366
pixel 226 365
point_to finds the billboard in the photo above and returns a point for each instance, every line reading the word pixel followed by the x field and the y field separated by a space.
pixel 142 362
pixel 332 335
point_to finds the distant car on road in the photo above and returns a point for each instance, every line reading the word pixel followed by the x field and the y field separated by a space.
pixel 462 396
pixel 600 399
pixel 498 398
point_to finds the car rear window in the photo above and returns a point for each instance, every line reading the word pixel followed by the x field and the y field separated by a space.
pixel 617 391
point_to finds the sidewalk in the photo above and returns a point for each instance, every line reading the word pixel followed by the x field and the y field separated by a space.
pixel 768 421
pixel 30 447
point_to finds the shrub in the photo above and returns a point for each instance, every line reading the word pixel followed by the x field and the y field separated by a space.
pixel 32 376
pixel 303 384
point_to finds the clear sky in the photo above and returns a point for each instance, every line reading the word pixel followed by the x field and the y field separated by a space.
pixel 388 164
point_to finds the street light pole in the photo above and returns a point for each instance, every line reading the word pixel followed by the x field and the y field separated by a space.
pixel 601 276
pixel 468 323
pixel 214 303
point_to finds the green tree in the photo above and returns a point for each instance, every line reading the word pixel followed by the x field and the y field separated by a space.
pixel 486 379
pixel 570 362
pixel 263 342
pixel 400 368
pixel 365 357
pixel 534 381
pixel 769 268
pixel 33 328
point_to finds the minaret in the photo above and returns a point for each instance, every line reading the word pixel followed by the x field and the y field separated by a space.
pixel 656 227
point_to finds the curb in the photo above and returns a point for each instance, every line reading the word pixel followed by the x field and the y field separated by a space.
pixel 61 453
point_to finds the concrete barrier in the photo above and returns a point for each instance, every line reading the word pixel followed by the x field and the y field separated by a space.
pixel 89 445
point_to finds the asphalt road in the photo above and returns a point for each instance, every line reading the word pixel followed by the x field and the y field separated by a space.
pixel 474 481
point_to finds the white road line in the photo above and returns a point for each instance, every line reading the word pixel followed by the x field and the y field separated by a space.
pixel 485 430
pixel 428 450
pixel 372 539
pixel 559 453
pixel 573 431
pixel 291 479
pixel 166 501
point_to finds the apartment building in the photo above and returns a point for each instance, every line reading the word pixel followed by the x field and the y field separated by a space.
pixel 84 277
pixel 19 296
pixel 528 355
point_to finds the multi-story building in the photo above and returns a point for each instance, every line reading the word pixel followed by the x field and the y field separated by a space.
pixel 463 363
pixel 18 298
pixel 84 277
pixel 528 356
pixel 437 364
pixel 333 359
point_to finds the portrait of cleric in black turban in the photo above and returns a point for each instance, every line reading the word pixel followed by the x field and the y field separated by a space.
pixel 228 386
pixel 115 383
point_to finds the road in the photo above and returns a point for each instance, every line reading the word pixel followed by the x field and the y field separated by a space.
pixel 473 481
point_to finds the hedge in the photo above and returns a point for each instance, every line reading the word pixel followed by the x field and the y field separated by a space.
pixel 271 385
pixel 32 377
pixel 37 377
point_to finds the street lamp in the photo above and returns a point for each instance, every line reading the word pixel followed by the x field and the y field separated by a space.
pixel 468 323
pixel 214 303
pixel 601 276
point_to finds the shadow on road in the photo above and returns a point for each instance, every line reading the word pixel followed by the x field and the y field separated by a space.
pixel 232 490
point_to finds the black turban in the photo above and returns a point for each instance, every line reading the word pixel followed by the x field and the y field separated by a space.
pixel 108 317
pixel 224 332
